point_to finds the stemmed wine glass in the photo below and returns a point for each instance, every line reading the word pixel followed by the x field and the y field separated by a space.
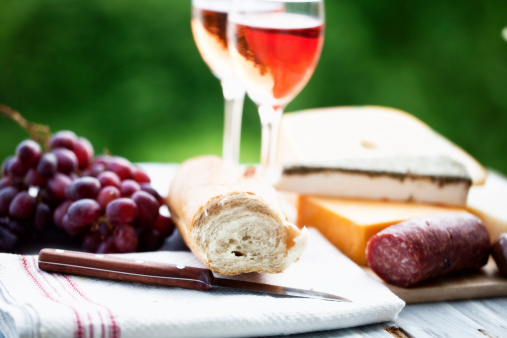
pixel 209 23
pixel 274 47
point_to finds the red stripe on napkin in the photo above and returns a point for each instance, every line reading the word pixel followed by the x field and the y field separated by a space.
pixel 79 329
pixel 60 280
pixel 115 329
pixel 56 291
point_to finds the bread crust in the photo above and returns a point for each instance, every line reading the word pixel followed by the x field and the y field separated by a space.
pixel 232 222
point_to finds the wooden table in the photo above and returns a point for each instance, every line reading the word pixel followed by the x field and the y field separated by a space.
pixel 469 318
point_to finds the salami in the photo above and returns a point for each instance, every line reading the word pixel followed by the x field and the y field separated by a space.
pixel 415 250
pixel 499 253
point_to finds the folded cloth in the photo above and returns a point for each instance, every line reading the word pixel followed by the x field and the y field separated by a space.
pixel 35 303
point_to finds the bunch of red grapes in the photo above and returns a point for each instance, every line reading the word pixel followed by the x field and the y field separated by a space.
pixel 106 202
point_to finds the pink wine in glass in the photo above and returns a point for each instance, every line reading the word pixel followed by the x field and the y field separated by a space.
pixel 209 27
pixel 275 54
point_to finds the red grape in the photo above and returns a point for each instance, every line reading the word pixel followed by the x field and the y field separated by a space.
pixel 140 176
pixel 63 139
pixel 128 187
pixel 108 246
pixel 70 227
pixel 60 212
pixel 34 179
pixel 28 152
pixel 22 206
pixel 108 178
pixel 150 190
pixel 43 218
pixel 66 159
pixel 5 182
pixel 147 207
pixel 18 168
pixel 96 169
pixel 121 210
pixel 163 224
pixel 18 228
pixel 84 152
pixel 91 241
pixel 122 167
pixel 6 164
pixel 8 240
pixel 47 165
pixel 83 187
pixel 150 240
pixel 83 212
pixel 107 195
pixel 7 194
pixel 58 184
pixel 105 201
pixel 47 197
pixel 125 238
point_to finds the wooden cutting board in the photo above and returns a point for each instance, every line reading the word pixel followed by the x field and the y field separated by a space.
pixel 490 203
pixel 484 283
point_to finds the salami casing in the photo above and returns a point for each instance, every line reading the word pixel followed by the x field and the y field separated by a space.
pixel 415 250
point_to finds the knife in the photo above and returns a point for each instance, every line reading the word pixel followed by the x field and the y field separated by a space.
pixel 141 271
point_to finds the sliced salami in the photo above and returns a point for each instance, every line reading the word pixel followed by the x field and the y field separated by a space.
pixel 415 250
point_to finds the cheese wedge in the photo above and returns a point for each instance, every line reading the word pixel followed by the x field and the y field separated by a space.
pixel 348 224
pixel 438 180
pixel 379 142
pixel 489 203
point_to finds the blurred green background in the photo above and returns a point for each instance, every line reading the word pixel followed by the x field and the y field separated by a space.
pixel 127 75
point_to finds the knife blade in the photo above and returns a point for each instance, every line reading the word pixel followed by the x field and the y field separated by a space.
pixel 141 271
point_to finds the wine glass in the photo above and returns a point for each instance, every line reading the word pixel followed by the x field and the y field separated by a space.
pixel 209 23
pixel 274 47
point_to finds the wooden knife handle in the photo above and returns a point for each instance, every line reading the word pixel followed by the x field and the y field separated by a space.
pixel 124 269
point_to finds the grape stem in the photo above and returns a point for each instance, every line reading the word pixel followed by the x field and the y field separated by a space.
pixel 38 132
pixel 102 219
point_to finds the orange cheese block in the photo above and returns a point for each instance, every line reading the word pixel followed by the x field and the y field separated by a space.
pixel 349 224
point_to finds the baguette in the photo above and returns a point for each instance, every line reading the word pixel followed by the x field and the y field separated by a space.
pixel 231 222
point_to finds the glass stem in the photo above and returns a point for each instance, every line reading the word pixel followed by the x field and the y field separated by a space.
pixel 270 121
pixel 234 96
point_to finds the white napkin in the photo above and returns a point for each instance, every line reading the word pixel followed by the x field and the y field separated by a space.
pixel 35 303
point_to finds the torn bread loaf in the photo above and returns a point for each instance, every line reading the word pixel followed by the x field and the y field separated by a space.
pixel 232 223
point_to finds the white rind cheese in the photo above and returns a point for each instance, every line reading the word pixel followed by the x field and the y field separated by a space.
pixel 373 153
pixel 329 135
pixel 424 180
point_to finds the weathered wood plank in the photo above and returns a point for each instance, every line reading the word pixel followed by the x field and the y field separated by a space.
pixel 443 320
pixel 373 331
pixel 490 315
